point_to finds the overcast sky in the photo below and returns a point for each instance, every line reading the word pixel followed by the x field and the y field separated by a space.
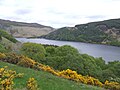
pixel 59 13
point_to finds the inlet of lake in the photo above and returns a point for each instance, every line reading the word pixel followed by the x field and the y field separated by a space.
pixel 108 53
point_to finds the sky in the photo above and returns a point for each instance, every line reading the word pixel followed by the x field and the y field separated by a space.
pixel 59 13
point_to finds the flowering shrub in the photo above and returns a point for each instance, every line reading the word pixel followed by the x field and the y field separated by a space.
pixel 6 78
pixel 2 55
pixel 112 85
pixel 68 74
pixel 26 62
pixel 73 75
pixel 31 84
pixel 47 68
pixel 11 58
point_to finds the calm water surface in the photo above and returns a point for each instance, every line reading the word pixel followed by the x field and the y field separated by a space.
pixel 108 53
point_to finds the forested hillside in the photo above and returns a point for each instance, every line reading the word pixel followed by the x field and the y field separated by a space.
pixel 103 32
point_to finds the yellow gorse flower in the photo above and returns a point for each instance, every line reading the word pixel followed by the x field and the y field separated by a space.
pixel 6 78
pixel 32 84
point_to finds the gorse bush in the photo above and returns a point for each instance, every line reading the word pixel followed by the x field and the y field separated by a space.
pixel 2 55
pixel 26 62
pixel 32 84
pixel 73 75
pixel 6 78
pixel 112 85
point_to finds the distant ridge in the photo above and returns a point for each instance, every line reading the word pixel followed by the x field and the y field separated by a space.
pixel 15 23
pixel 23 29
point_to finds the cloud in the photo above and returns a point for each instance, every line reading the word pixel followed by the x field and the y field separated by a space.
pixel 59 13
pixel 96 17
pixel 53 11
pixel 1 2
pixel 23 11
pixel 12 18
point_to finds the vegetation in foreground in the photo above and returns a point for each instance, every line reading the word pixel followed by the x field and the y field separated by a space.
pixel 67 57
pixel 45 80
pixel 71 64
pixel 68 74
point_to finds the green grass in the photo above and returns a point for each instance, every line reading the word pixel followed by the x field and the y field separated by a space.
pixel 46 81
pixel 10 45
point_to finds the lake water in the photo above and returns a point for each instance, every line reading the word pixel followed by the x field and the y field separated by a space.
pixel 108 53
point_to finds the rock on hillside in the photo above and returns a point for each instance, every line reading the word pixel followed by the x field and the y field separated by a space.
pixel 21 29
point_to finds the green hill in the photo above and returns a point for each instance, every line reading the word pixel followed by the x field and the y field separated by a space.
pixel 104 32
pixel 8 42
pixel 7 36
pixel 46 81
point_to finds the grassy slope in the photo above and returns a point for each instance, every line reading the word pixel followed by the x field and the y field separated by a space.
pixel 46 81
pixel 4 34
pixel 10 45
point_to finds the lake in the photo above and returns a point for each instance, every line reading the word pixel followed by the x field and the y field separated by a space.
pixel 108 53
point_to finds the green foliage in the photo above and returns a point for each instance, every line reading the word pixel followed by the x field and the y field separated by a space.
pixel 34 51
pixel 2 48
pixel 58 57
pixel 115 67
pixel 66 50
pixel 8 36
pixel 64 57
pixel 50 51
pixel 114 43
pixel 100 63
pixel 0 37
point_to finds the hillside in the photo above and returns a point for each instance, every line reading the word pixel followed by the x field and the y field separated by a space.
pixel 21 29
pixel 46 81
pixel 104 32
pixel 8 42
pixel 4 34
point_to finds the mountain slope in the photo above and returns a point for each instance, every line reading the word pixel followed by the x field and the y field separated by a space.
pixel 46 81
pixel 104 32
pixel 21 29
pixel 4 34
pixel 9 42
